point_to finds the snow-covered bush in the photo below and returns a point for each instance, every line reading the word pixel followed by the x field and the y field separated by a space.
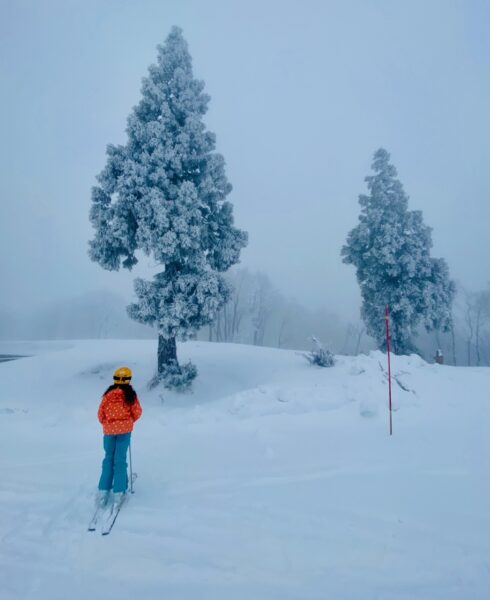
pixel 175 376
pixel 320 356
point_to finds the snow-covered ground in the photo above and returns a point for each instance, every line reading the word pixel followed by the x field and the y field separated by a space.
pixel 272 480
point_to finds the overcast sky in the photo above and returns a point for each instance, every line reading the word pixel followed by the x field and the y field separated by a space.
pixel 302 94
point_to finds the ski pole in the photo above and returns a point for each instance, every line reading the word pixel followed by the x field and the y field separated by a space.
pixel 130 470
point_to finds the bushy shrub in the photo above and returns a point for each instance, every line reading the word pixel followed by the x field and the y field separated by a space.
pixel 320 356
pixel 176 377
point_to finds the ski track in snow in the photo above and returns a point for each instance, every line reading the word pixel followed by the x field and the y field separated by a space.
pixel 272 480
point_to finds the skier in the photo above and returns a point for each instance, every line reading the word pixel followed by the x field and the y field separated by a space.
pixel 118 410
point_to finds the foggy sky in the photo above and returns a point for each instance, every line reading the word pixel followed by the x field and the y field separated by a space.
pixel 302 94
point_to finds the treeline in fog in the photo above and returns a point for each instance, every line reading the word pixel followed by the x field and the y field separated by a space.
pixel 257 313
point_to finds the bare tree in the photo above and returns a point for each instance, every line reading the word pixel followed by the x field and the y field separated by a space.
pixel 257 313
pixel 453 340
pixel 469 320
pixel 354 332
pixel 238 306
pixel 235 315
pixel 482 317
pixel 287 317
pixel 360 331
pixel 264 298
pixel 476 319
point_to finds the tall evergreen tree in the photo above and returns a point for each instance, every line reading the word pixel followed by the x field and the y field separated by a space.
pixel 163 193
pixel 390 248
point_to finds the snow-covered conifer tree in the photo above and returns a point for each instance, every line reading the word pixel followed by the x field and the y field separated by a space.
pixel 164 193
pixel 390 248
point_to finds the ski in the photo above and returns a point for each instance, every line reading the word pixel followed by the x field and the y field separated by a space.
pixel 93 521
pixel 111 519
pixel 115 510
pixel 92 526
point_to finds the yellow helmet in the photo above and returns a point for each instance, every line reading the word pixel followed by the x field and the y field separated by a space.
pixel 122 375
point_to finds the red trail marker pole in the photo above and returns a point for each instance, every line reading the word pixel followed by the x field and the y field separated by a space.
pixel 389 364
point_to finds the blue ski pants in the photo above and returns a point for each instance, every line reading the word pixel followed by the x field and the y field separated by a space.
pixel 114 466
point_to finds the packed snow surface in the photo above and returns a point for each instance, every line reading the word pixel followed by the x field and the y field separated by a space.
pixel 272 480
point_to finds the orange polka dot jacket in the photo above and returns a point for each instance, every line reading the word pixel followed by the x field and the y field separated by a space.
pixel 116 415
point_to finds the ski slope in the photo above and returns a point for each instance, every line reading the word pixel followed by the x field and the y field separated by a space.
pixel 272 480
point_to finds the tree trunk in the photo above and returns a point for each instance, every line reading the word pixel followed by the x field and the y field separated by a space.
pixel 282 327
pixel 477 336
pixel 359 337
pixel 226 324
pixel 167 352
pixel 219 336
pixel 348 333
pixel 234 327
pixel 453 344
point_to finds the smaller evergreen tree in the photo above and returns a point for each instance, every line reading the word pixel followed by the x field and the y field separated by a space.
pixel 390 248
